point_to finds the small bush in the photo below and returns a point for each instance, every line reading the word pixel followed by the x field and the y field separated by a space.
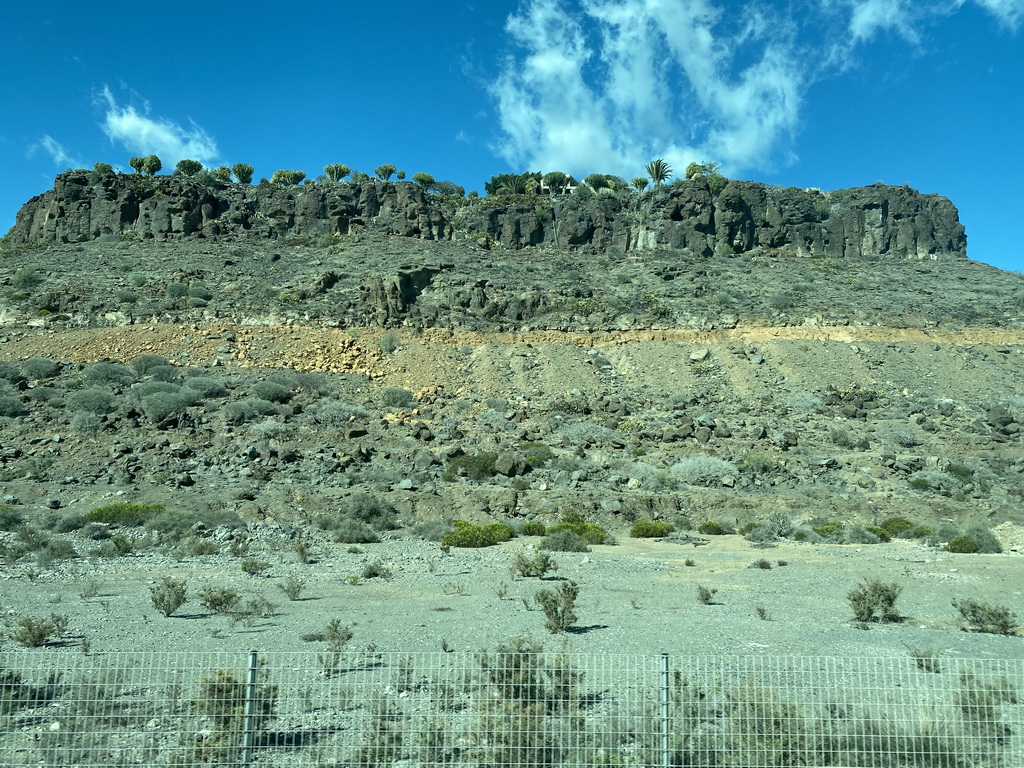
pixel 347 531
pixel 649 529
pixel 219 599
pixel 37 631
pixel 985 617
pixel 761 564
pixel 564 540
pixel 537 566
pixel 533 528
pixel 165 406
pixel 706 595
pixel 469 536
pixel 478 466
pixel 395 397
pixel 36 368
pixel 248 409
pixel 376 571
pixel 589 532
pixel 124 513
pixel 206 387
pixel 10 518
pixel 559 606
pixel 91 400
pixel 108 374
pixel 253 567
pixel 169 595
pixel 875 601
pixel 11 407
pixel 292 587
pixel 272 391
pixel 142 364
pixel 712 528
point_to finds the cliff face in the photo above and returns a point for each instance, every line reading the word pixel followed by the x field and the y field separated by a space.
pixel 895 222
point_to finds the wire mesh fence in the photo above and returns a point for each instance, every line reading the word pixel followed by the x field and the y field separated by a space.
pixel 514 706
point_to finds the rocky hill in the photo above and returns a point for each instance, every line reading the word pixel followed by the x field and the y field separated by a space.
pixel 741 218
pixel 222 383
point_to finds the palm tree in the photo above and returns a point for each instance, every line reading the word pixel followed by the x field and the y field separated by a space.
pixel 658 170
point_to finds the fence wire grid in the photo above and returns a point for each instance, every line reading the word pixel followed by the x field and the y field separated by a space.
pixel 516 706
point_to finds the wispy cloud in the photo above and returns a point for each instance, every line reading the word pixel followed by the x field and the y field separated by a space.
pixel 61 156
pixel 1009 12
pixel 140 133
pixel 608 85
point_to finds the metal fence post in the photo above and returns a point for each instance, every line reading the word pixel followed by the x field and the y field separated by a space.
pixel 249 726
pixel 666 758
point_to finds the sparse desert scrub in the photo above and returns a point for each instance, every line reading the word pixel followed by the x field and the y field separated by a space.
pixel 169 595
pixel 986 617
pixel 559 606
pixel 536 566
pixel 875 601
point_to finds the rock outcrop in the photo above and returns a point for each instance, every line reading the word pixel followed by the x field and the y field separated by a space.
pixel 743 217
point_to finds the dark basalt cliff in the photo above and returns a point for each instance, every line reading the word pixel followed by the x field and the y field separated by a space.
pixel 744 217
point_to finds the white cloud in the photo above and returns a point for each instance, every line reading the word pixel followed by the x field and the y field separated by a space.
pixel 608 85
pixel 56 150
pixel 142 134
pixel 869 17
pixel 1009 12
pixel 598 89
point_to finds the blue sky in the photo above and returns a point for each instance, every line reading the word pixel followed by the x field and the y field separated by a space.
pixel 807 93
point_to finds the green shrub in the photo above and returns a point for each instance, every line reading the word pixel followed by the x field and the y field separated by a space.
pixel 649 529
pixel 243 172
pixel 877 531
pixel 712 528
pixel 124 513
pixel 564 540
pixel 983 539
pixel 167 373
pixel 347 531
pixel 395 397
pixel 336 171
pixel 25 279
pixel 11 407
pixel 253 567
pixel 37 631
pixel 478 466
pixel 92 400
pixel 272 391
pixel 219 599
pixel 371 510
pixel 108 374
pixel 985 617
pixel 36 368
pixel 537 454
pixel 287 178
pixel 10 518
pixel 206 386
pixel 559 606
pixel 469 536
pixel 169 595
pixel 163 406
pixel 187 168
pixel 589 532
pixel 875 601
pixel 248 409
pixel 536 566
pixel 292 587
pixel 706 595
pixel 533 528
pixel 964 545
pixel 11 373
